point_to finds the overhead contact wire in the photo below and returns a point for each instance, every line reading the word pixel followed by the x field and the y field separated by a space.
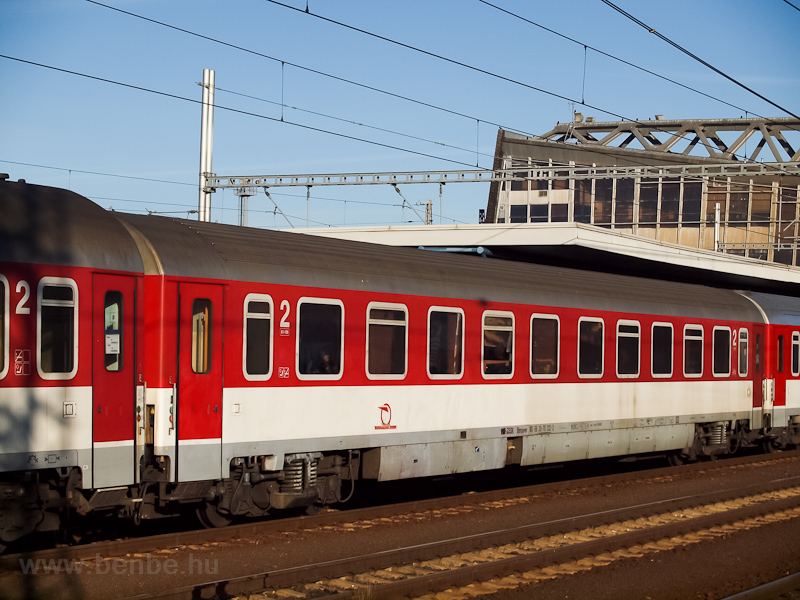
pixel 611 56
pixel 451 61
pixel 235 110
pixel 308 69
pixel 697 58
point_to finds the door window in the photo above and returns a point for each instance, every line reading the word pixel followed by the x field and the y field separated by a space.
pixel 201 335
pixel 112 328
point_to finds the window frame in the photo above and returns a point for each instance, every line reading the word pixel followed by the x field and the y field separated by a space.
pixel 638 325
pixel 501 314
pixel 702 350
pixel 256 297
pixel 743 373
pixel 318 376
pixel 57 282
pixel 602 348
pixel 557 319
pixel 386 306
pixel 714 350
pixel 795 358
pixel 4 351
pixel 451 310
pixel 662 324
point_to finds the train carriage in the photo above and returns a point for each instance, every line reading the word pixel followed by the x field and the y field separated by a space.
pixel 149 363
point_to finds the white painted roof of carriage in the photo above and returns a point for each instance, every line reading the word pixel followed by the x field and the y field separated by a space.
pixel 528 236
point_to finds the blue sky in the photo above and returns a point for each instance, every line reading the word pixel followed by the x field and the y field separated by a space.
pixel 72 124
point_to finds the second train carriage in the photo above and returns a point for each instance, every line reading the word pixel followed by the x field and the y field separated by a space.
pixel 150 362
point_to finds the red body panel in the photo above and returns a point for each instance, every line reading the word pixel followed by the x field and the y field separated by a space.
pixel 114 390
pixel 355 338
pixel 200 394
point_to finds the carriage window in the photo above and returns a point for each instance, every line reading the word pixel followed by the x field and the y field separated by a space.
pixel 112 327
pixel 257 337
pixel 498 344
pixel 445 342
pixel 758 353
pixel 779 354
pixel 743 338
pixel 201 335
pixel 320 337
pixel 544 346
pixel 795 354
pixel 386 339
pixel 627 349
pixel 57 328
pixel 662 350
pixel 721 352
pixel 693 351
pixel 3 326
pixel 590 348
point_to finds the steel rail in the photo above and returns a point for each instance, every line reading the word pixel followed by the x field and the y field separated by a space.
pixel 771 590
pixel 122 547
pixel 476 542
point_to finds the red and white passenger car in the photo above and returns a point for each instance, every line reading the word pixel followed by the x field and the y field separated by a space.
pixel 148 363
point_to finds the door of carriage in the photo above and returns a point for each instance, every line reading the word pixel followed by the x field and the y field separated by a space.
pixel 113 379
pixel 199 399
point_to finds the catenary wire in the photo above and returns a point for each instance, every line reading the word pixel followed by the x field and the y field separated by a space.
pixel 451 61
pixel 308 69
pixel 582 102
pixel 695 57
pixel 477 69
pixel 235 110
pixel 611 56
pixel 351 122
pixel 11 162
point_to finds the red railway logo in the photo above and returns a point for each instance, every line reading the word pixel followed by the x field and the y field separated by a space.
pixel 386 418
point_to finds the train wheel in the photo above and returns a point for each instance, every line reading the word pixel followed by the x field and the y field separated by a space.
pixel 675 459
pixel 211 518
pixel 313 509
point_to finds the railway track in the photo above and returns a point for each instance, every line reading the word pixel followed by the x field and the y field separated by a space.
pixel 498 559
pixel 138 545
pixel 479 564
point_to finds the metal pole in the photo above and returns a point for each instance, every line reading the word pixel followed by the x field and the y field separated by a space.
pixel 441 185
pixel 210 149
pixel 206 145
pixel 716 228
